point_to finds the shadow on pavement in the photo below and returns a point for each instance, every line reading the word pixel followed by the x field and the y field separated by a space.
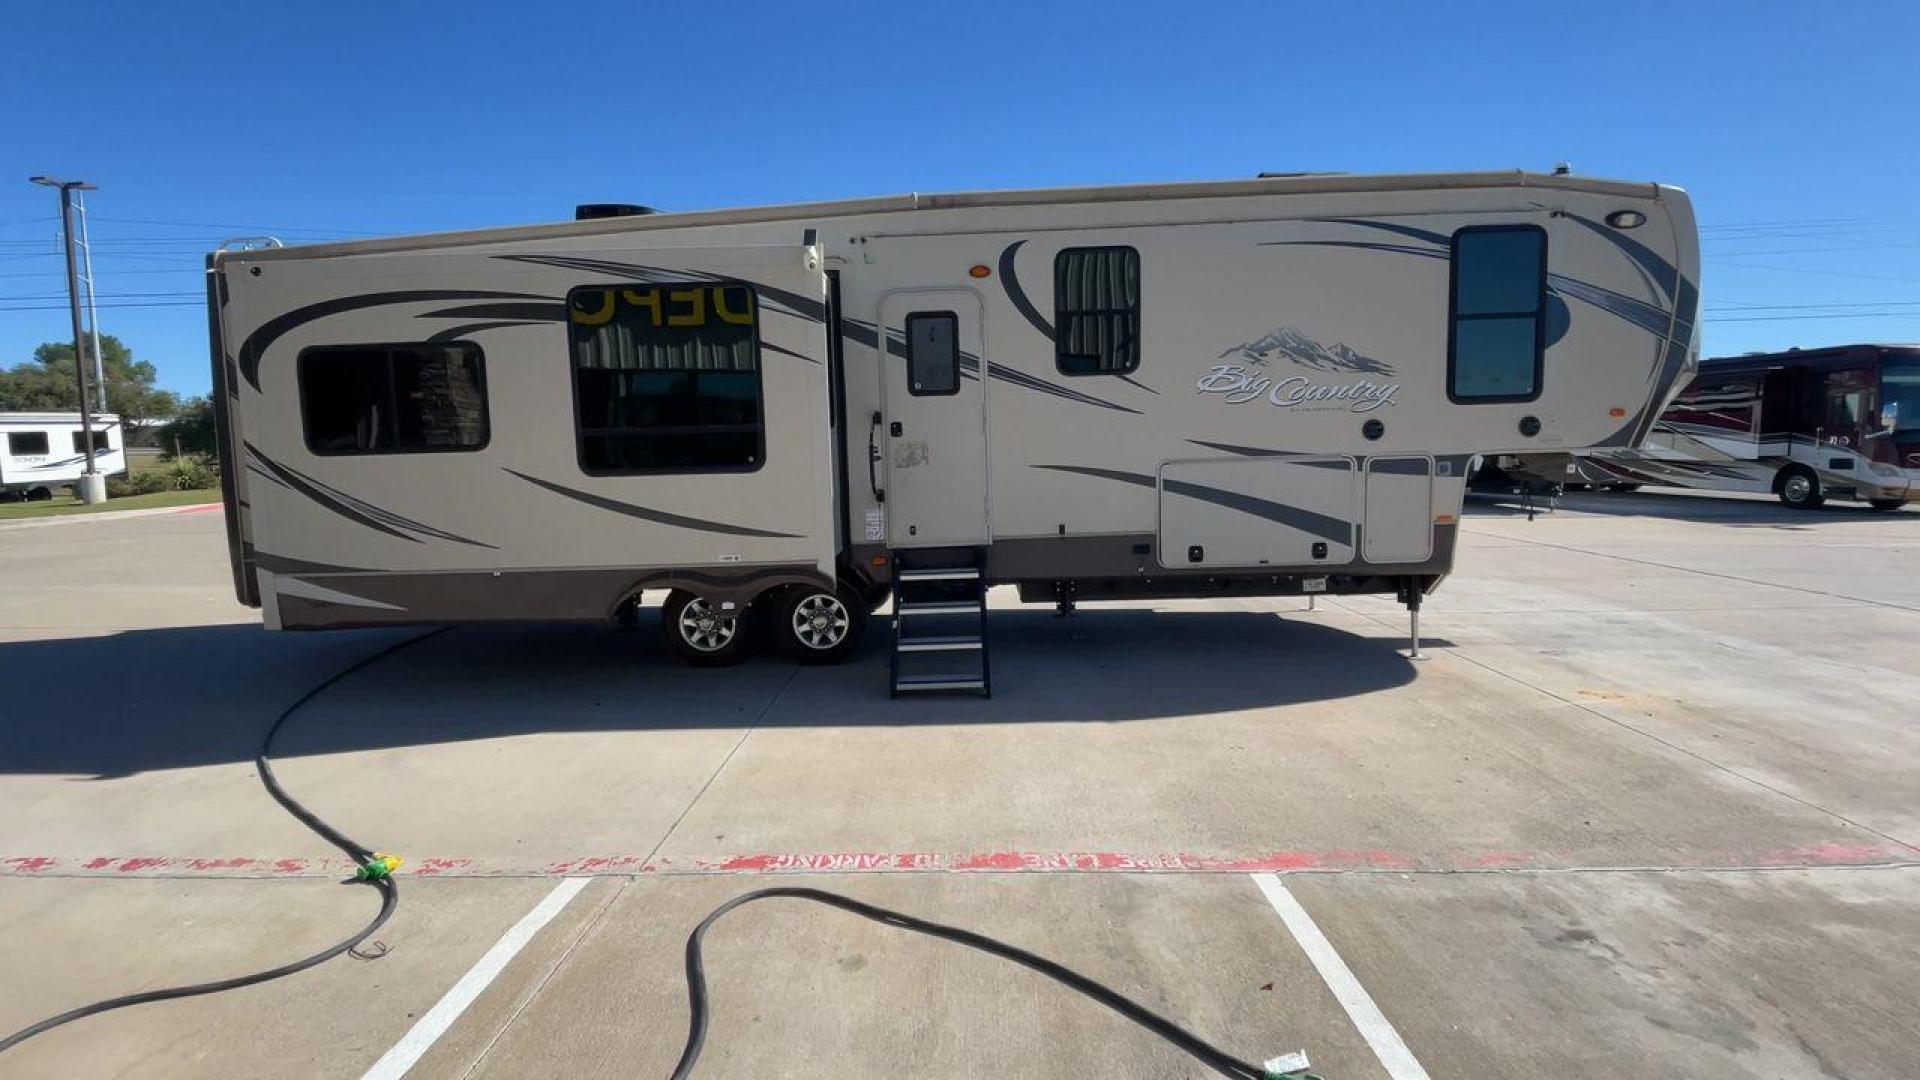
pixel 145 700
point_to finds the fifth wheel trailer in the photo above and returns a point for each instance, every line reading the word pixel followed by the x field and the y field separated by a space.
pixel 1806 425
pixel 1255 387
pixel 40 451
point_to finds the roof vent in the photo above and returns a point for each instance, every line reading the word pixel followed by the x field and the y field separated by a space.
pixel 592 210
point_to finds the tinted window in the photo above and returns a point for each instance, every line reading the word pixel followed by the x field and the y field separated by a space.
pixel 933 353
pixel 666 377
pixel 1096 310
pixel 393 399
pixel 1495 346
pixel 27 443
pixel 80 442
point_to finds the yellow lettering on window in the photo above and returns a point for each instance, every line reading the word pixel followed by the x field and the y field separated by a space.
pixel 587 316
pixel 649 300
pixel 727 314
pixel 697 316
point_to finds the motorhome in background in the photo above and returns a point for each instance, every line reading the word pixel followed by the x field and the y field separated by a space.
pixel 41 451
pixel 1806 425
pixel 1261 387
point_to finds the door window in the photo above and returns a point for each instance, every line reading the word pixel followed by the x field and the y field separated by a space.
pixel 933 353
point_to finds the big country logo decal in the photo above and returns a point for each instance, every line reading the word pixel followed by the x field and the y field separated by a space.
pixel 1243 382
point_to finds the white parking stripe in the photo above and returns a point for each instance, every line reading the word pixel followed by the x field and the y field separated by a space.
pixel 435 1022
pixel 1366 1016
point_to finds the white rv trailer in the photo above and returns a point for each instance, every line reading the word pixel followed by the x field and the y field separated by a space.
pixel 40 451
pixel 1259 387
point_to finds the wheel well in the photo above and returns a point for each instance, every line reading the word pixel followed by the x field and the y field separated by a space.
pixel 1791 467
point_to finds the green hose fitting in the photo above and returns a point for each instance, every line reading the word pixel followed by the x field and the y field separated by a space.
pixel 378 867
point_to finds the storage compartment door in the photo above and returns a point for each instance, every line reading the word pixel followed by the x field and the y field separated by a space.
pixel 1270 511
pixel 1399 522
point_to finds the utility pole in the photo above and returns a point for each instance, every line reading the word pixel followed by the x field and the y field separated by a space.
pixel 93 313
pixel 93 487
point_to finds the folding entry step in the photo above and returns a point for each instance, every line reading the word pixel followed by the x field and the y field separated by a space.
pixel 940 621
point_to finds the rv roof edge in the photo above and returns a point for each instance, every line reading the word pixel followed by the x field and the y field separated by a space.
pixel 1194 189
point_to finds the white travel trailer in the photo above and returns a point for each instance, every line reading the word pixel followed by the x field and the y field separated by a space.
pixel 1259 387
pixel 40 451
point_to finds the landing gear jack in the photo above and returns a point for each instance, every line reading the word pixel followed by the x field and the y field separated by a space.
pixel 1410 594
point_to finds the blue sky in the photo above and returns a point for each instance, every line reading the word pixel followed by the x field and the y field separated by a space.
pixel 1791 124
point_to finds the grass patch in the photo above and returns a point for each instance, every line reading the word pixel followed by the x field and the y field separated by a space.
pixel 60 505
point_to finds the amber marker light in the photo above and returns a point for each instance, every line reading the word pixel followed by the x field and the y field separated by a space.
pixel 1616 412
pixel 979 270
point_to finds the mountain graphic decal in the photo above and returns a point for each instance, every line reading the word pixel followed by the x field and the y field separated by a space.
pixel 1294 345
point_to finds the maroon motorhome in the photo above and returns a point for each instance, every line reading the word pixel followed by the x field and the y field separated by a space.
pixel 1806 424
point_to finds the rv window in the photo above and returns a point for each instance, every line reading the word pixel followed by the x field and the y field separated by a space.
pixel 933 353
pixel 1096 310
pixel 393 399
pixel 80 442
pixel 27 443
pixel 666 378
pixel 1496 341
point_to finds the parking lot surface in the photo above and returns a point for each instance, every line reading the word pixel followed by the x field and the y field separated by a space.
pixel 1652 807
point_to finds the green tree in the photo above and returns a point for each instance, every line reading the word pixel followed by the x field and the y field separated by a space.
pixel 46 383
pixel 191 432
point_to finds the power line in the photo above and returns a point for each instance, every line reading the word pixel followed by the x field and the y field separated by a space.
pixel 231 225
pixel 116 273
pixel 102 296
pixel 141 304
pixel 1803 318
pixel 1806 307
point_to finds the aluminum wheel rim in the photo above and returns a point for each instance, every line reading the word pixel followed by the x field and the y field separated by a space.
pixel 821 621
pixel 1798 488
pixel 704 629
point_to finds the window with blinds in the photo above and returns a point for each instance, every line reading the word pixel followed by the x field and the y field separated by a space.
pixel 1096 310
pixel 666 378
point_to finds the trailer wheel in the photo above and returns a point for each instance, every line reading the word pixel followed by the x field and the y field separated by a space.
pixel 1886 506
pixel 698 633
pixel 818 626
pixel 1799 488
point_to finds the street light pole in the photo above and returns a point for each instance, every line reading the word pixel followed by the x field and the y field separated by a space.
pixel 91 488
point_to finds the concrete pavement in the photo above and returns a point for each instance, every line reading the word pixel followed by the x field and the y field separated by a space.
pixel 1651 806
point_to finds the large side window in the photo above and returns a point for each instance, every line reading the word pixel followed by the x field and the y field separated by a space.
pixel 99 442
pixel 393 399
pixel 933 353
pixel 27 443
pixel 1498 315
pixel 1096 310
pixel 666 378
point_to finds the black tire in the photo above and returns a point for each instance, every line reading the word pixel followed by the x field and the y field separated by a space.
pixel 1799 488
pixel 1886 506
pixel 815 626
pixel 702 637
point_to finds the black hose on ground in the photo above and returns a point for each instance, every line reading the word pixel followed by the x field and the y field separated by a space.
pixel 360 854
pixel 1206 1053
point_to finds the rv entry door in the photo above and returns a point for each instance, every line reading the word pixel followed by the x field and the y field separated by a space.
pixel 936 418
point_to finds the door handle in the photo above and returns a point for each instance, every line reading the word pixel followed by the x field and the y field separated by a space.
pixel 873 457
